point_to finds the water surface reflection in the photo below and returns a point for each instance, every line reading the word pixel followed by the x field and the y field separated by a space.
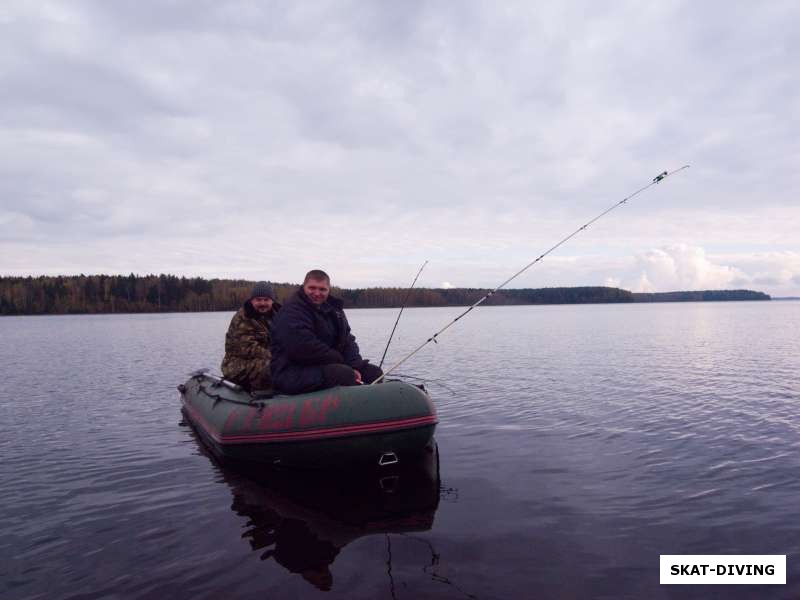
pixel 303 519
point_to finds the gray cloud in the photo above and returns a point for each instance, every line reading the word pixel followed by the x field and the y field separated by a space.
pixel 766 281
pixel 472 134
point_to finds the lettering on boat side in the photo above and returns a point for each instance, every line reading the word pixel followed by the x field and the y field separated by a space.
pixel 280 417
pixel 250 418
pixel 230 419
pixel 315 411
pixel 276 417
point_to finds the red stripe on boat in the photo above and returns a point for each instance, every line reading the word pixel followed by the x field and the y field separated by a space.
pixel 341 431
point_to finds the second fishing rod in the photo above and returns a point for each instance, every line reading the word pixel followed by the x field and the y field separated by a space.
pixel 656 180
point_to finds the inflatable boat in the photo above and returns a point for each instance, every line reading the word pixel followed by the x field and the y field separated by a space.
pixel 382 424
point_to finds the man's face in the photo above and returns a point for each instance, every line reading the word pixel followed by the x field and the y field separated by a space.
pixel 262 304
pixel 317 290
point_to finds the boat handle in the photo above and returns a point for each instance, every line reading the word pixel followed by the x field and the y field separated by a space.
pixel 388 458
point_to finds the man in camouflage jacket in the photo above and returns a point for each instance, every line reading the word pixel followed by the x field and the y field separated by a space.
pixel 247 354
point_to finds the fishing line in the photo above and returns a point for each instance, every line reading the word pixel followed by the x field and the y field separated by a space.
pixel 657 179
pixel 400 314
pixel 425 380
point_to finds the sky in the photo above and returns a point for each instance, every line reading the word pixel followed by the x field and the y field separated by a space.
pixel 259 140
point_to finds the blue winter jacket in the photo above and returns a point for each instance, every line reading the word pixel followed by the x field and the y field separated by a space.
pixel 305 337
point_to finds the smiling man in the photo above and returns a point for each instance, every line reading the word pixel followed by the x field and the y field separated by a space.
pixel 247 356
pixel 312 347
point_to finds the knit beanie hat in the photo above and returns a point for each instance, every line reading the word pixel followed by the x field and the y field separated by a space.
pixel 262 289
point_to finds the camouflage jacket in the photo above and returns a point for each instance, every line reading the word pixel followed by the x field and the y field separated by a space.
pixel 247 354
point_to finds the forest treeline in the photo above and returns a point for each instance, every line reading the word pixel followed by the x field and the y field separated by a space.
pixel 90 294
pixel 702 296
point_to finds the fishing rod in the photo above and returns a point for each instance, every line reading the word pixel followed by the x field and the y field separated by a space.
pixel 657 179
pixel 400 314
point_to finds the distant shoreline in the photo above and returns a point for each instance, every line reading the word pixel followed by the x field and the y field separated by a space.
pixel 132 294
pixel 232 310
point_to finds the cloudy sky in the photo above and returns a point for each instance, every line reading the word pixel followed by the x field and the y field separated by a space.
pixel 262 139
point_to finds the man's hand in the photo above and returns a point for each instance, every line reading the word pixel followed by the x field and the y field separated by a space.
pixel 358 376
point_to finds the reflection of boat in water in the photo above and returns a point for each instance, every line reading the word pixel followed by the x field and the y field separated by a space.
pixel 303 519
pixel 380 424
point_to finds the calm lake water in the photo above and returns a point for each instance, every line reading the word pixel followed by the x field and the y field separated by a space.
pixel 576 445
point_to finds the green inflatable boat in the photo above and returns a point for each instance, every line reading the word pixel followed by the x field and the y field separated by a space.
pixel 382 424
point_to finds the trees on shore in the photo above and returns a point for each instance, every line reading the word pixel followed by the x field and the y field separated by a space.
pixel 88 294
pixel 83 294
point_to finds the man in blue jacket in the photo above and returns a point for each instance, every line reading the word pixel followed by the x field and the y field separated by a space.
pixel 312 347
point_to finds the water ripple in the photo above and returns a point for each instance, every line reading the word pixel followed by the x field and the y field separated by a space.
pixel 600 435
